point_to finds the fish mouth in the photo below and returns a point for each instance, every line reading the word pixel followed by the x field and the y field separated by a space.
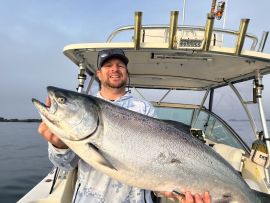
pixel 46 111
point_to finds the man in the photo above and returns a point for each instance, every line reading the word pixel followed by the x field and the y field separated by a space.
pixel 92 185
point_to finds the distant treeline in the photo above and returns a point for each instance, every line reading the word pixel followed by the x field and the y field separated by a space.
pixel 19 120
pixel 233 119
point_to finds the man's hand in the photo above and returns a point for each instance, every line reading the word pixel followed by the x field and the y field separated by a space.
pixel 187 197
pixel 48 135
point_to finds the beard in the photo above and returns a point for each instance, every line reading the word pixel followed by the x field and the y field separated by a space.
pixel 119 85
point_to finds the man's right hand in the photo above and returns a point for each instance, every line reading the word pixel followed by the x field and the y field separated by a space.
pixel 48 135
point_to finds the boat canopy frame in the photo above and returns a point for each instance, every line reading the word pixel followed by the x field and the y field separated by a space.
pixel 177 62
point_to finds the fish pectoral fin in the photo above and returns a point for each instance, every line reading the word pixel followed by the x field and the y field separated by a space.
pixel 99 158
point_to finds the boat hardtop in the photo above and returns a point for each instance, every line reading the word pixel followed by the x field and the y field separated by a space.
pixel 156 66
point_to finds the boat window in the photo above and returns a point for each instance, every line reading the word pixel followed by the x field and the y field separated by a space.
pixel 176 114
pixel 216 131
pixel 202 121
pixel 223 135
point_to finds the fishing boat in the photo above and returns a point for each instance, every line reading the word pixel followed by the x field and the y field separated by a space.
pixel 167 59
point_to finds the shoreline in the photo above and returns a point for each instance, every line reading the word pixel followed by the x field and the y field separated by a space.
pixel 21 120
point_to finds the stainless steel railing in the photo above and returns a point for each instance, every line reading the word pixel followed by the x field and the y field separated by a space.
pixel 252 37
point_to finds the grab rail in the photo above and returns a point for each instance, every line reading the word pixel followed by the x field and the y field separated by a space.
pixel 185 27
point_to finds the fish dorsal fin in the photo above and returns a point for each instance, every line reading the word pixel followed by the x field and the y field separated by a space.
pixel 97 157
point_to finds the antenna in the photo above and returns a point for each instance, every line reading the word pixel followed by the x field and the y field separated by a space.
pixel 184 12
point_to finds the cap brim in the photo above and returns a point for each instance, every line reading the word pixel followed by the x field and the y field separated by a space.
pixel 123 58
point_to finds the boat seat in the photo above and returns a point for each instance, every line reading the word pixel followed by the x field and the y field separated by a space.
pixel 231 154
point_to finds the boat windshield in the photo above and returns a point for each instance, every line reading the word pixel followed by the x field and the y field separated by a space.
pixel 214 128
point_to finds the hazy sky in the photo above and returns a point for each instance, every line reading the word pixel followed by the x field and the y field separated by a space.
pixel 34 32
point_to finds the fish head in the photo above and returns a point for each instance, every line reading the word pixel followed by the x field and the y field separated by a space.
pixel 71 115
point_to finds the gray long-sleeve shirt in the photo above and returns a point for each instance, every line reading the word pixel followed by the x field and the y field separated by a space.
pixel 94 186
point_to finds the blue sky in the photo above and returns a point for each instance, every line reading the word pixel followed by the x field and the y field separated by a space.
pixel 34 32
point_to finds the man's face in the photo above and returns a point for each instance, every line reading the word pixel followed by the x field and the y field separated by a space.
pixel 113 74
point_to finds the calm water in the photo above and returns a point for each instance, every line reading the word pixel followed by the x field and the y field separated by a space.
pixel 23 159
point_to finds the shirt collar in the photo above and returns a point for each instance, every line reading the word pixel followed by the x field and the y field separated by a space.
pixel 122 98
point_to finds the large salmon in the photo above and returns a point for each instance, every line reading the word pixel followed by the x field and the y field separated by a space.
pixel 139 150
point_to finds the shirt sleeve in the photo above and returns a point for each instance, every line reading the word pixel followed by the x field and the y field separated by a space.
pixel 65 159
pixel 137 195
pixel 150 111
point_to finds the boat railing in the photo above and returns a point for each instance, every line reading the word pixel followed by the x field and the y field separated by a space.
pixel 183 28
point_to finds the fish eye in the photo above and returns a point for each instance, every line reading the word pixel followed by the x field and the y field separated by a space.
pixel 61 100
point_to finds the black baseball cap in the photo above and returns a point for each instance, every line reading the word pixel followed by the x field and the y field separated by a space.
pixel 107 54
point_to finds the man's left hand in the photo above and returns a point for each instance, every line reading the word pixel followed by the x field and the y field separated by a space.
pixel 187 197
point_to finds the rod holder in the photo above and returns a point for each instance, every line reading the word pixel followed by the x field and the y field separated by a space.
pixel 173 29
pixel 241 36
pixel 208 31
pixel 137 29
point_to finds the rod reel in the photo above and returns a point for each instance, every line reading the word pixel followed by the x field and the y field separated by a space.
pixel 217 10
